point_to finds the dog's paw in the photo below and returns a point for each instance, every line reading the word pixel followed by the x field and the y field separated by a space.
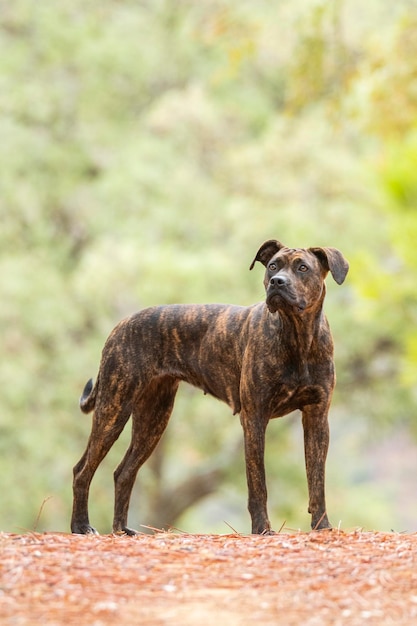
pixel 322 525
pixel 262 529
pixel 320 522
pixel 83 529
pixel 130 532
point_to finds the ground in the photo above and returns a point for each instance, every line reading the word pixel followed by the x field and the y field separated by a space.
pixel 328 577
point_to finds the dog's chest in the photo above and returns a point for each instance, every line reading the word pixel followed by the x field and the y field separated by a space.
pixel 280 387
pixel 285 398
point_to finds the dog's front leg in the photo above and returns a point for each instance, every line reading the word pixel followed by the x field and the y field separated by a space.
pixel 316 443
pixel 254 435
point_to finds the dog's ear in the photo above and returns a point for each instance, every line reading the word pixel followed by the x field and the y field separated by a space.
pixel 267 251
pixel 333 261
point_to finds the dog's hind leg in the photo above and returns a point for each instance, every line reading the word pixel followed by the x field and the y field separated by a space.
pixel 108 423
pixel 149 419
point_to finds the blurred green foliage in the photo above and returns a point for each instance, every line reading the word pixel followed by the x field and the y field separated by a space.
pixel 147 150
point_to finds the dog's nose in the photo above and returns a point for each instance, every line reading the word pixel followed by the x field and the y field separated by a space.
pixel 279 281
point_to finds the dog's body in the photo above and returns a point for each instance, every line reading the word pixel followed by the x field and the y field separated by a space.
pixel 264 361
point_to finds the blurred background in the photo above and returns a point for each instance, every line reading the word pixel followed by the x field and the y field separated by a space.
pixel 147 149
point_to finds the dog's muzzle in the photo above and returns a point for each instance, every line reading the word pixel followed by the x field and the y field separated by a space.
pixel 280 292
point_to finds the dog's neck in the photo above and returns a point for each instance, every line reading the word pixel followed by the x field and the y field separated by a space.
pixel 300 330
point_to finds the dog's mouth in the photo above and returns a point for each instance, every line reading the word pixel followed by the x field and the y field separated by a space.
pixel 276 301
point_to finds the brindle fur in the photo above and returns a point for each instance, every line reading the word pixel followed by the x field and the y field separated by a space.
pixel 264 361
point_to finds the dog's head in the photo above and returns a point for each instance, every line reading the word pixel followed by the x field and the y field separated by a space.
pixel 294 277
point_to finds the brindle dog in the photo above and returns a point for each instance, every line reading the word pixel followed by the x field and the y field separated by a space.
pixel 264 361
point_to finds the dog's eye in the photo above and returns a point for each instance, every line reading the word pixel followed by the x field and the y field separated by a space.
pixel 303 268
pixel 272 267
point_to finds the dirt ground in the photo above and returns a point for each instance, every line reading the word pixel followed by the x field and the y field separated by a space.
pixel 328 577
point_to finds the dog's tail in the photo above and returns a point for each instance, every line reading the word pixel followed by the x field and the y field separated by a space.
pixel 88 397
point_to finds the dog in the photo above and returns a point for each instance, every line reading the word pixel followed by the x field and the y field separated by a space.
pixel 264 361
